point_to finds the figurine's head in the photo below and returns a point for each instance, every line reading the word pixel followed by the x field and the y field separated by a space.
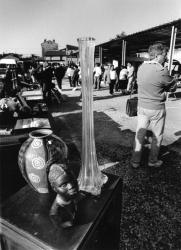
pixel 63 182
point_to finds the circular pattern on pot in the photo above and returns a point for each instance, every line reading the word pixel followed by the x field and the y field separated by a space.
pixel 38 162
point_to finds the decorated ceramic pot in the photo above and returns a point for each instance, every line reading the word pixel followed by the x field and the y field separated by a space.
pixel 37 154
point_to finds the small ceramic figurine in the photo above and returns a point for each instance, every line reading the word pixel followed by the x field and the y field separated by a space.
pixel 65 185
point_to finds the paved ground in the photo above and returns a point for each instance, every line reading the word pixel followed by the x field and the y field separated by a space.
pixel 151 217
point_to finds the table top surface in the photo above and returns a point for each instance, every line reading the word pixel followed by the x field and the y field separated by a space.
pixel 32 95
pixel 27 213
pixel 36 92
pixel 20 129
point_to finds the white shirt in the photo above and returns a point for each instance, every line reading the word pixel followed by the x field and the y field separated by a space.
pixel 113 74
pixel 130 71
pixel 97 71
pixel 123 74
pixel 70 72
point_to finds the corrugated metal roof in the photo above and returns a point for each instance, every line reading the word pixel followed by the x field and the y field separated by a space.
pixel 140 41
pixel 176 23
pixel 71 47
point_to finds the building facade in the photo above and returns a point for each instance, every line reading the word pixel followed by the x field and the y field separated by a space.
pixel 48 45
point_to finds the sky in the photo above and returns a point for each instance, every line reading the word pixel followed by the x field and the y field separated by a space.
pixel 24 24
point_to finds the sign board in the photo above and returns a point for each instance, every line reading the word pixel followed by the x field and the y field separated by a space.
pixel 115 63
pixel 97 60
pixel 55 58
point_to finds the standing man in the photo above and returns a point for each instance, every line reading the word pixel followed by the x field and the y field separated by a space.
pixel 75 77
pixel 153 83
pixel 113 79
pixel 131 76
pixel 59 74
pixel 8 83
pixel 123 79
pixel 47 75
pixel 70 72
pixel 106 75
pixel 97 76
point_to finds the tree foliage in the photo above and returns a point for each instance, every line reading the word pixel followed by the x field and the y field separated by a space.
pixel 119 36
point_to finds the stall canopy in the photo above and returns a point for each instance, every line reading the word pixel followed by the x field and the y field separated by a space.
pixel 9 60
pixel 140 41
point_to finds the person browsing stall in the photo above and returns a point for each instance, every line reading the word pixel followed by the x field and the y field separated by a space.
pixel 97 76
pixel 130 76
pixel 123 79
pixel 153 82
pixel 113 79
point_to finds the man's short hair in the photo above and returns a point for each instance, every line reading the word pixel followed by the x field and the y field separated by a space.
pixel 157 49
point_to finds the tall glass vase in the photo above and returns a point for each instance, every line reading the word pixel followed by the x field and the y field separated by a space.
pixel 90 179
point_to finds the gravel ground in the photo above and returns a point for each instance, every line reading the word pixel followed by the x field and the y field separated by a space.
pixel 151 205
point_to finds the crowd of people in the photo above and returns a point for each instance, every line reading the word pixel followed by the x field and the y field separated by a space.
pixel 39 75
pixel 120 79
pixel 45 75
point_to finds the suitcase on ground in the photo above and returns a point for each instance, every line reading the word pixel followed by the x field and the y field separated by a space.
pixel 132 103
pixel 131 106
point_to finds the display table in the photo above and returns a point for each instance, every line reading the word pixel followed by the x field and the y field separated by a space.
pixel 26 224
pixel 17 128
pixel 35 100
pixel 31 95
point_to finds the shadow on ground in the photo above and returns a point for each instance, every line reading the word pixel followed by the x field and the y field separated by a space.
pixel 66 105
pixel 151 205
pixel 109 96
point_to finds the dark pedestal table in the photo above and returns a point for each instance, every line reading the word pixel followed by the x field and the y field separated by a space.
pixel 26 224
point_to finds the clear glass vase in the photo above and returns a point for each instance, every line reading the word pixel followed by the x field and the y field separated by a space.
pixel 90 179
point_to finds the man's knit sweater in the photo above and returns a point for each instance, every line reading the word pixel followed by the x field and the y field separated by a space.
pixel 153 82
